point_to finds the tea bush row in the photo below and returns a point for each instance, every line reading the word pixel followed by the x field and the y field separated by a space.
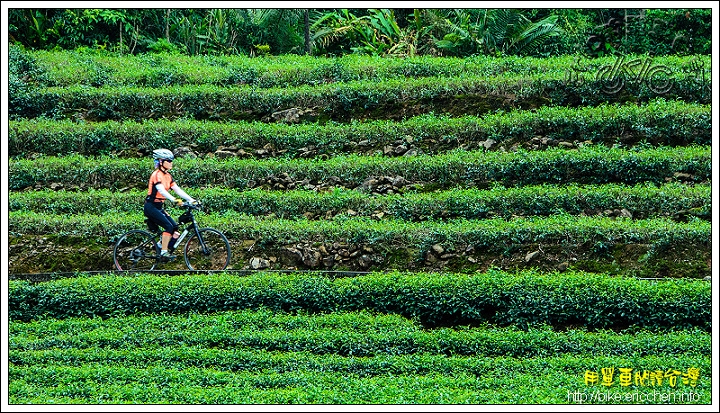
pixel 641 200
pixel 434 299
pixel 660 122
pixel 67 68
pixel 132 340
pixel 593 164
pixel 489 234
pixel 329 379
pixel 340 101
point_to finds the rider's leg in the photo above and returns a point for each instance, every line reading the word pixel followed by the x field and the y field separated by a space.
pixel 170 232
pixel 165 240
pixel 155 212
pixel 173 239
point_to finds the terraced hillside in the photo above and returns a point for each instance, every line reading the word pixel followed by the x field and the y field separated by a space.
pixel 368 164
pixel 513 223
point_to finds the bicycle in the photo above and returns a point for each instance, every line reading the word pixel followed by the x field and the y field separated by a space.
pixel 205 248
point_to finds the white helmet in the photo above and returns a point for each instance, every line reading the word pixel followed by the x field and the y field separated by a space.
pixel 160 154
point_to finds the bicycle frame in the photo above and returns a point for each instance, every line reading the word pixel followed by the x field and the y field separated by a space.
pixel 194 227
pixel 140 249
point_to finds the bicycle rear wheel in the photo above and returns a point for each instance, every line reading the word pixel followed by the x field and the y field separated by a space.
pixel 208 249
pixel 136 250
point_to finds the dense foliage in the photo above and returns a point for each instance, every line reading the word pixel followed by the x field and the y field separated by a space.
pixel 395 32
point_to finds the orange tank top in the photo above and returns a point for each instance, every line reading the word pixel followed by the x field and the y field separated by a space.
pixel 157 177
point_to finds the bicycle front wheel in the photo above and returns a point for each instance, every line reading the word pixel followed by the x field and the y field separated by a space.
pixel 136 250
pixel 208 249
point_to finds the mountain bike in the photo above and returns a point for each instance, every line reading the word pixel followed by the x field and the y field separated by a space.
pixel 205 248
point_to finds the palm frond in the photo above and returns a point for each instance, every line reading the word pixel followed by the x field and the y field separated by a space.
pixel 534 34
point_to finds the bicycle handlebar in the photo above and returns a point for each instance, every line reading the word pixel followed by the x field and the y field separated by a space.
pixel 187 205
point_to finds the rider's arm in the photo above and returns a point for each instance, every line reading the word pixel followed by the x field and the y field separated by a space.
pixel 161 190
pixel 182 193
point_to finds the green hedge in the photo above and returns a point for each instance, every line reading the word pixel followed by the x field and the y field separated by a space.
pixel 593 164
pixel 434 299
pixel 68 68
pixel 490 234
pixel 155 87
pixel 335 102
pixel 300 378
pixel 659 122
pixel 132 339
pixel 642 201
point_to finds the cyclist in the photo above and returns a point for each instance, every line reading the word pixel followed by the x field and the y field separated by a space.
pixel 159 185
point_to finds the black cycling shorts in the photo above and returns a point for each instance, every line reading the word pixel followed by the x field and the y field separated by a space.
pixel 156 212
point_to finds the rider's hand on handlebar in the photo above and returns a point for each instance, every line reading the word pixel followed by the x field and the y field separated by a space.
pixel 178 202
pixel 195 202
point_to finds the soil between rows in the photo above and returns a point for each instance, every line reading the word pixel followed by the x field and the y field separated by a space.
pixel 42 253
